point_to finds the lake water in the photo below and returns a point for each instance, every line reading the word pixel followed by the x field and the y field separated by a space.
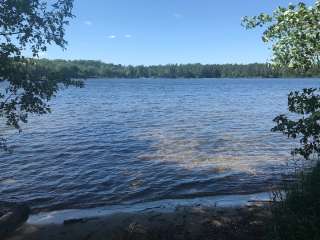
pixel 120 141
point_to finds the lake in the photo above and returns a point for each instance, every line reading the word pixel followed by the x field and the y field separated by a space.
pixel 126 141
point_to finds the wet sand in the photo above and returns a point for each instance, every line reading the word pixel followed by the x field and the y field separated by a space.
pixel 191 222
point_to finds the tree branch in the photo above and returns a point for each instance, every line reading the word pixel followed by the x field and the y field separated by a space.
pixel 9 34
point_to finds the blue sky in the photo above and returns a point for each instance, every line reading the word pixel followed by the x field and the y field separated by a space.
pixel 165 31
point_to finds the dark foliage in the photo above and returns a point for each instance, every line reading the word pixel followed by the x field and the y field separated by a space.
pixel 25 85
pixel 307 128
pixel 298 216
pixel 90 68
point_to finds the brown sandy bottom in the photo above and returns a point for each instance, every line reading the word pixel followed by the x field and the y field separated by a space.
pixel 184 223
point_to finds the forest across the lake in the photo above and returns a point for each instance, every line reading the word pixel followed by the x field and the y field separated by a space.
pixel 99 69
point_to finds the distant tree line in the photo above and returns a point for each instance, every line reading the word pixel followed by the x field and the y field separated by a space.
pixel 95 69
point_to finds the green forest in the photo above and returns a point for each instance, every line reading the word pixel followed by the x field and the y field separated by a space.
pixel 96 69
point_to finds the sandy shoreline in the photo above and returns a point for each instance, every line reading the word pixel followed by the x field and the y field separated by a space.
pixel 184 223
pixel 223 219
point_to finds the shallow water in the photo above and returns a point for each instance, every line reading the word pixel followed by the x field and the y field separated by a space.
pixel 163 206
pixel 128 141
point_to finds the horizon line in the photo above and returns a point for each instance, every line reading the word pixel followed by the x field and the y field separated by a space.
pixel 149 65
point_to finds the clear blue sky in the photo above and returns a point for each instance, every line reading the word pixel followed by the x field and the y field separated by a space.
pixel 165 31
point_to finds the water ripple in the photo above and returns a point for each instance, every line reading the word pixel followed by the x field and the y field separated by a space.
pixel 128 141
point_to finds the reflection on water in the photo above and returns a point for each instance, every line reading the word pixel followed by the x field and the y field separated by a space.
pixel 127 141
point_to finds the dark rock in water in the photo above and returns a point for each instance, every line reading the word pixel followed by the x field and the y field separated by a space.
pixel 73 221
pixel 12 216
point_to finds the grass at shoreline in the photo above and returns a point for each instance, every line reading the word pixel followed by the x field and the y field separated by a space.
pixel 297 217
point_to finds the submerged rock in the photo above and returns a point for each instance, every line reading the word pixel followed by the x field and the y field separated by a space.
pixel 12 216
